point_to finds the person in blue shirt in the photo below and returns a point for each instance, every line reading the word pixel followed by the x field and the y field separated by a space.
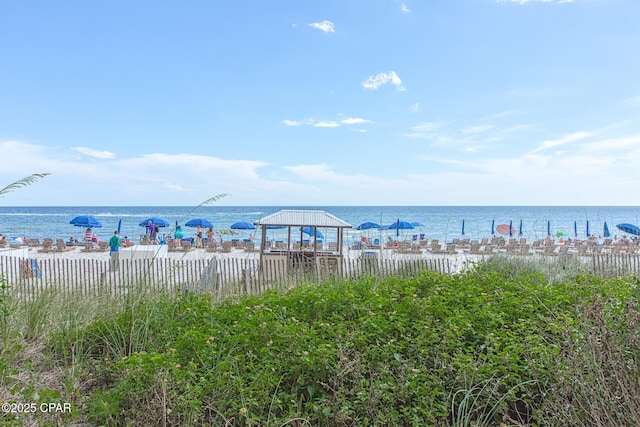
pixel 115 242
pixel 114 246
pixel 179 234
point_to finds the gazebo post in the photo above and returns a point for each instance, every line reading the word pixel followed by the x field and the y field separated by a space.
pixel 263 244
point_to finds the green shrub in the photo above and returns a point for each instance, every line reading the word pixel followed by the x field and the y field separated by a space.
pixel 387 352
pixel 507 342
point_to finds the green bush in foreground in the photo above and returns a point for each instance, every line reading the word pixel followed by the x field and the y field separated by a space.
pixel 495 345
pixel 435 350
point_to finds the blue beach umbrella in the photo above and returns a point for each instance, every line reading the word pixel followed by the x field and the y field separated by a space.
pixel 520 231
pixel 400 225
pixel 629 228
pixel 198 222
pixel 588 234
pixel 462 227
pixel 575 228
pixel 119 225
pixel 417 224
pixel 493 227
pixel 241 225
pixel 510 228
pixel 310 230
pixel 157 222
pixel 86 221
pixel 367 225
pixel 549 228
pixel 606 232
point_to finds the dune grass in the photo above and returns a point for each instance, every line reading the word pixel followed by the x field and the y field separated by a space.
pixel 502 343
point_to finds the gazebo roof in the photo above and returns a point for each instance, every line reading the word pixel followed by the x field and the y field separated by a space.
pixel 313 218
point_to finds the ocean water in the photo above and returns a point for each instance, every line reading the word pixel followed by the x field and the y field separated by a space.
pixel 440 222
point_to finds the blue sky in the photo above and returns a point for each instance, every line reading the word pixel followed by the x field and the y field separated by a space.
pixel 339 102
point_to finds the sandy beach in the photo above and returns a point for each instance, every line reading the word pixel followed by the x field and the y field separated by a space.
pixel 458 261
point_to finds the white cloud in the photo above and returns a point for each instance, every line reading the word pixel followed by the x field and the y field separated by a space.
pixel 404 8
pixel 326 26
pixel 354 121
pixel 632 102
pixel 476 129
pixel 326 124
pixel 374 82
pixel 160 178
pixel 415 107
pixel 552 175
pixel 425 130
pixel 428 126
pixel 292 123
pixel 545 145
pixel 98 154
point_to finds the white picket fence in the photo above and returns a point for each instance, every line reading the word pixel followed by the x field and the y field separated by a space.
pixel 222 277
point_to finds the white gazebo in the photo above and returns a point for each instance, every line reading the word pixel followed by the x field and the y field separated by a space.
pixel 297 222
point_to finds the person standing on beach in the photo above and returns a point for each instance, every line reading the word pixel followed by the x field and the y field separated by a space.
pixel 179 235
pixel 153 235
pixel 149 230
pixel 114 246
pixel 199 237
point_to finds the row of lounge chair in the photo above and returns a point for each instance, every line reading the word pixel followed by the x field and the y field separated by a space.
pixel 212 246
pixel 48 245
pixel 516 246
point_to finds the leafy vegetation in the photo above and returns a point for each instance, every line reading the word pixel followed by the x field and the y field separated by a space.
pixel 495 345
pixel 22 183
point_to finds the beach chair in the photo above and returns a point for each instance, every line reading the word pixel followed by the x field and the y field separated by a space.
pixel 212 246
pixel 30 269
pixel 61 246
pixel 403 248
pixel 171 245
pixel 249 246
pixel 226 247
pixel 88 247
pixel 186 246
pixel 47 246
pixel 487 249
